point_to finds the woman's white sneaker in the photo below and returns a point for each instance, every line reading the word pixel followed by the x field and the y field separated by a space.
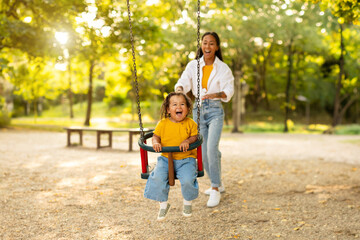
pixel 221 190
pixel 214 198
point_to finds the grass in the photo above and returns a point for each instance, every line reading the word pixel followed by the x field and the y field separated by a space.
pixel 266 127
pixel 352 129
pixel 120 117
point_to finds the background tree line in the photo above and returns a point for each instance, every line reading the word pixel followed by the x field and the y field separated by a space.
pixel 296 57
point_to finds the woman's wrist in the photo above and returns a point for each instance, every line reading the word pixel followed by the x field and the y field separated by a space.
pixel 220 95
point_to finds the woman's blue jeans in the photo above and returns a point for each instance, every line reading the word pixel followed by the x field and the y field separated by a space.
pixel 157 186
pixel 211 124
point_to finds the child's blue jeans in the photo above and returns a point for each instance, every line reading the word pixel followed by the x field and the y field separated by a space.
pixel 157 186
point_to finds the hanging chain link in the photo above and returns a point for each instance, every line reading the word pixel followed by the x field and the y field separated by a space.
pixel 135 82
pixel 198 68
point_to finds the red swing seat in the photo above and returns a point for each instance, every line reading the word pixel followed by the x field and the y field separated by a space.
pixel 145 148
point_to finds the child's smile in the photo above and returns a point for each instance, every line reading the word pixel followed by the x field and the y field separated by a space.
pixel 178 108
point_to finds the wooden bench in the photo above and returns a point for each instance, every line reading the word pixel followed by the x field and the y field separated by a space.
pixel 100 132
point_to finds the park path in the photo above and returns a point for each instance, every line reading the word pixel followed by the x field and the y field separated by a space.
pixel 278 186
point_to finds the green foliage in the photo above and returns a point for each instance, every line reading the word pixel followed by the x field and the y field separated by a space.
pixel 255 39
pixel 346 10
pixel 352 129
pixel 5 118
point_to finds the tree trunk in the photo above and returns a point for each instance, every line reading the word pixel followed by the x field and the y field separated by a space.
pixel 336 115
pixel 35 110
pixel 236 103
pixel 89 96
pixel 263 76
pixel 26 108
pixel 70 91
pixel 256 96
pixel 346 107
pixel 288 84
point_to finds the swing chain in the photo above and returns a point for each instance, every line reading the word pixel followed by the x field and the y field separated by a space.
pixel 135 82
pixel 198 69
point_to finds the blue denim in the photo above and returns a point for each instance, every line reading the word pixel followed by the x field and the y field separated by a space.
pixel 211 124
pixel 157 186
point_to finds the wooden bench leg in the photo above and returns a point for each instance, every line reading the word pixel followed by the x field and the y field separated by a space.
pixel 68 137
pixel 81 137
pixel 130 140
pixel 110 139
pixel 69 131
pixel 98 139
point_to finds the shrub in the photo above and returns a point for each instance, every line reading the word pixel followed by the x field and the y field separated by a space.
pixel 4 118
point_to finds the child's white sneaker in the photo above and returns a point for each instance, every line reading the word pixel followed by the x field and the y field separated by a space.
pixel 163 213
pixel 214 198
pixel 187 210
pixel 221 190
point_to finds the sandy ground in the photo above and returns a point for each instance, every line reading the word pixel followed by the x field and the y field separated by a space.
pixel 277 187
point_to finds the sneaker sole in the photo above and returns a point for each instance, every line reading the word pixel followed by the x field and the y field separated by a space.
pixel 187 215
pixel 162 219
pixel 211 206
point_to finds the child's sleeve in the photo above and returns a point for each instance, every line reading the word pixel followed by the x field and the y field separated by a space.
pixel 158 128
pixel 193 127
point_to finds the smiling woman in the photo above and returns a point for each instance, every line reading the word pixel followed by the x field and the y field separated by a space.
pixel 217 86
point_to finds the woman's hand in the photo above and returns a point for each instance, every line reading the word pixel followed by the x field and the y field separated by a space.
pixel 208 96
pixel 179 90
pixel 214 95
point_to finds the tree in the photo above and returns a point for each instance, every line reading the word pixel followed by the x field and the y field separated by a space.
pixel 298 36
pixel 32 80
pixel 29 26
pixel 347 12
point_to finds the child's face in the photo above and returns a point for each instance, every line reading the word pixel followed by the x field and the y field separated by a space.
pixel 178 109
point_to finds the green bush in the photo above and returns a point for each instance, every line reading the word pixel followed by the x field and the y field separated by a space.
pixel 352 129
pixel 5 118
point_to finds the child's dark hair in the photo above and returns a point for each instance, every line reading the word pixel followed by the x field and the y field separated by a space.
pixel 166 103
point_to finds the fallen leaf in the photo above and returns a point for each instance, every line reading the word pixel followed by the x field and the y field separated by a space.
pixel 331 188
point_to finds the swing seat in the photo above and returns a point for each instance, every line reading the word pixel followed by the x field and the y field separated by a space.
pixel 144 149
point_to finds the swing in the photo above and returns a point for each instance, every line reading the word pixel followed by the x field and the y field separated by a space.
pixel 144 149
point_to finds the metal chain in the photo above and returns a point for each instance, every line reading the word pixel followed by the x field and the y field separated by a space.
pixel 135 82
pixel 198 68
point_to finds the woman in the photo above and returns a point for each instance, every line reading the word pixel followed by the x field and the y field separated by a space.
pixel 217 86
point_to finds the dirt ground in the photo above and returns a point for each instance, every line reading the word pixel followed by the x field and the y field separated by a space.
pixel 278 186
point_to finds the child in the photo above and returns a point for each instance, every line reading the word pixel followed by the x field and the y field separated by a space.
pixel 174 129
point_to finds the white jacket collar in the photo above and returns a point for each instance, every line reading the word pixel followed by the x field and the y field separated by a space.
pixel 202 61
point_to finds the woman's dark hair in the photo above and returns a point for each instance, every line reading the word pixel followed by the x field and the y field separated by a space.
pixel 218 53
pixel 166 103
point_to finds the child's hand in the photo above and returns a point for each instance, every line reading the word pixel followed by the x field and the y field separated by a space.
pixel 157 147
pixel 184 146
